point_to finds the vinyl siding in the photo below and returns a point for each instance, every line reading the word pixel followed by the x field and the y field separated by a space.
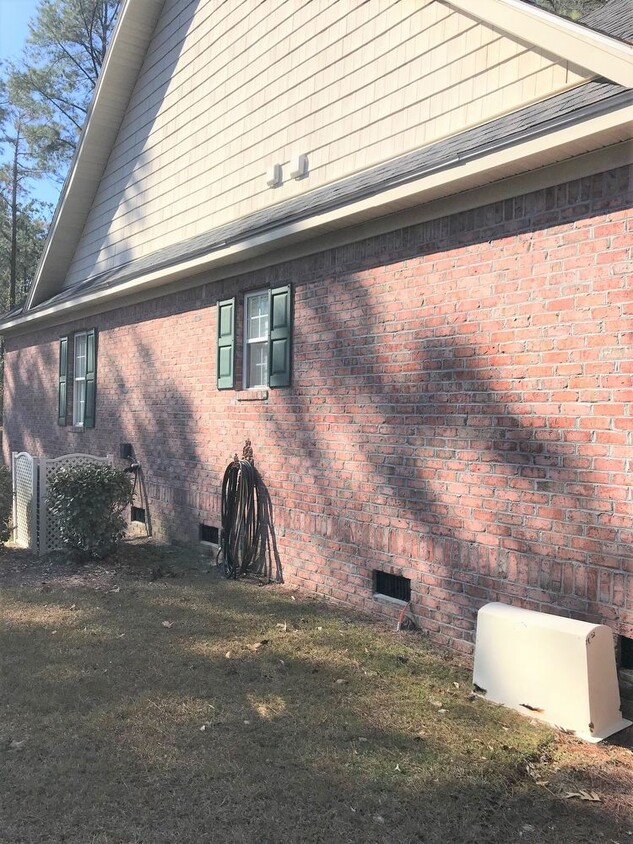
pixel 228 89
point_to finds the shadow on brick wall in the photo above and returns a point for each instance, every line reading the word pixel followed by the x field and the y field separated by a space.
pixel 144 405
pixel 448 412
pixel 30 424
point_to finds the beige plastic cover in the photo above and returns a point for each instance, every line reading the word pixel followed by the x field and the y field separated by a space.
pixel 555 669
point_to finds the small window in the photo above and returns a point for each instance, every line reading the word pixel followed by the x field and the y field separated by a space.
pixel 267 332
pixel 83 354
pixel 256 337
pixel 626 653
pixel 392 586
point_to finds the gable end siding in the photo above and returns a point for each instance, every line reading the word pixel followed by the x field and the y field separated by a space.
pixel 226 92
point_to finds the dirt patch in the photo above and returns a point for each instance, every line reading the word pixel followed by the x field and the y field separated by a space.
pixel 137 559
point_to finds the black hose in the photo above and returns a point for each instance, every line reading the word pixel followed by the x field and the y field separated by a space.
pixel 240 518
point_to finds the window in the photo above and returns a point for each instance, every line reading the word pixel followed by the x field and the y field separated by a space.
pixel 256 340
pixel 79 379
pixel 84 358
pixel 267 330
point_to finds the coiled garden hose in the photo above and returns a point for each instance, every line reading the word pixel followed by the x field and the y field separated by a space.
pixel 240 518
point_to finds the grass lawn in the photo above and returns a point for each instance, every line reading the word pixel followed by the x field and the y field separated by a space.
pixel 145 705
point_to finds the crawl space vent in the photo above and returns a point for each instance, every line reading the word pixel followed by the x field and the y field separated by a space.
pixel 210 534
pixel 138 514
pixel 392 586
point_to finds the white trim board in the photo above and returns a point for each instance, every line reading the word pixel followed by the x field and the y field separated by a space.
pixel 561 38
pixel 116 82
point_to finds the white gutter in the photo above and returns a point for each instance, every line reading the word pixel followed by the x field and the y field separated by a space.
pixel 562 38
pixel 535 152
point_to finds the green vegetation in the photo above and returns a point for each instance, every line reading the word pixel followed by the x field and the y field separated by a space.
pixel 6 504
pixel 44 100
pixel 88 502
pixel 54 80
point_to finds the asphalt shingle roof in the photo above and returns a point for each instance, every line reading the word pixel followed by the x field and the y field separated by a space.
pixel 615 18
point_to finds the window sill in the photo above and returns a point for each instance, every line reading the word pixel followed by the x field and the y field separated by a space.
pixel 387 599
pixel 77 429
pixel 252 395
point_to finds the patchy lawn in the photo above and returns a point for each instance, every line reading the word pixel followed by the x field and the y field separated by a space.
pixel 149 701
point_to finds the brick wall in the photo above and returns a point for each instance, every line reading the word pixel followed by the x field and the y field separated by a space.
pixel 460 410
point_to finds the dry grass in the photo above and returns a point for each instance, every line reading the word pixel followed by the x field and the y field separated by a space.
pixel 191 709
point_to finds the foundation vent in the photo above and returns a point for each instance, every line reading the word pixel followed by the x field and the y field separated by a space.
pixel 209 534
pixel 392 586
pixel 138 514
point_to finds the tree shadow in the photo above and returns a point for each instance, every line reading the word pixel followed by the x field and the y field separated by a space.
pixel 319 760
pixel 268 561
pixel 435 428
pixel 443 417
pixel 131 160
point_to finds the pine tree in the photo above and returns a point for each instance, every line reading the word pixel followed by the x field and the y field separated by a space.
pixel 57 74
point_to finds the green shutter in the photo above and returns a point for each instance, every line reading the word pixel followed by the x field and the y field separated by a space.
pixel 62 393
pixel 279 344
pixel 226 344
pixel 91 378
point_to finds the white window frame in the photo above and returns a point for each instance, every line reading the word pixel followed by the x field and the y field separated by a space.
pixel 250 341
pixel 79 382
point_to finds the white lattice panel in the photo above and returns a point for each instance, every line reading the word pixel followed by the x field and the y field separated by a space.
pixel 24 497
pixel 50 537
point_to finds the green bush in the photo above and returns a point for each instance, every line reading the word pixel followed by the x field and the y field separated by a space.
pixel 6 504
pixel 88 503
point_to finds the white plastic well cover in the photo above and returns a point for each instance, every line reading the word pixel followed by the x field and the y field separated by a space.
pixel 556 669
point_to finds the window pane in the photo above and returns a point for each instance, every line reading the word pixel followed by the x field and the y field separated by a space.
pixel 257 364
pixel 257 317
pixel 80 356
pixel 79 402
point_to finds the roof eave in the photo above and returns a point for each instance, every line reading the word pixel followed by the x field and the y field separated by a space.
pixel 458 175
pixel 116 82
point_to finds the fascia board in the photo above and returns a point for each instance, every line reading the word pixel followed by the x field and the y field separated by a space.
pixel 126 53
pixel 594 51
pixel 443 182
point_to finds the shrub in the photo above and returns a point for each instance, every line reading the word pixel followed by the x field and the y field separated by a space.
pixel 6 504
pixel 88 503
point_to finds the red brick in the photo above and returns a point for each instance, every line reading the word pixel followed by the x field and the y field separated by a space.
pixel 460 416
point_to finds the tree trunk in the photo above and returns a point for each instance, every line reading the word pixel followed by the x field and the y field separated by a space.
pixel 13 263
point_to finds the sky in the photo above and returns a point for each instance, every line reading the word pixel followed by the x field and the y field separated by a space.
pixel 14 21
